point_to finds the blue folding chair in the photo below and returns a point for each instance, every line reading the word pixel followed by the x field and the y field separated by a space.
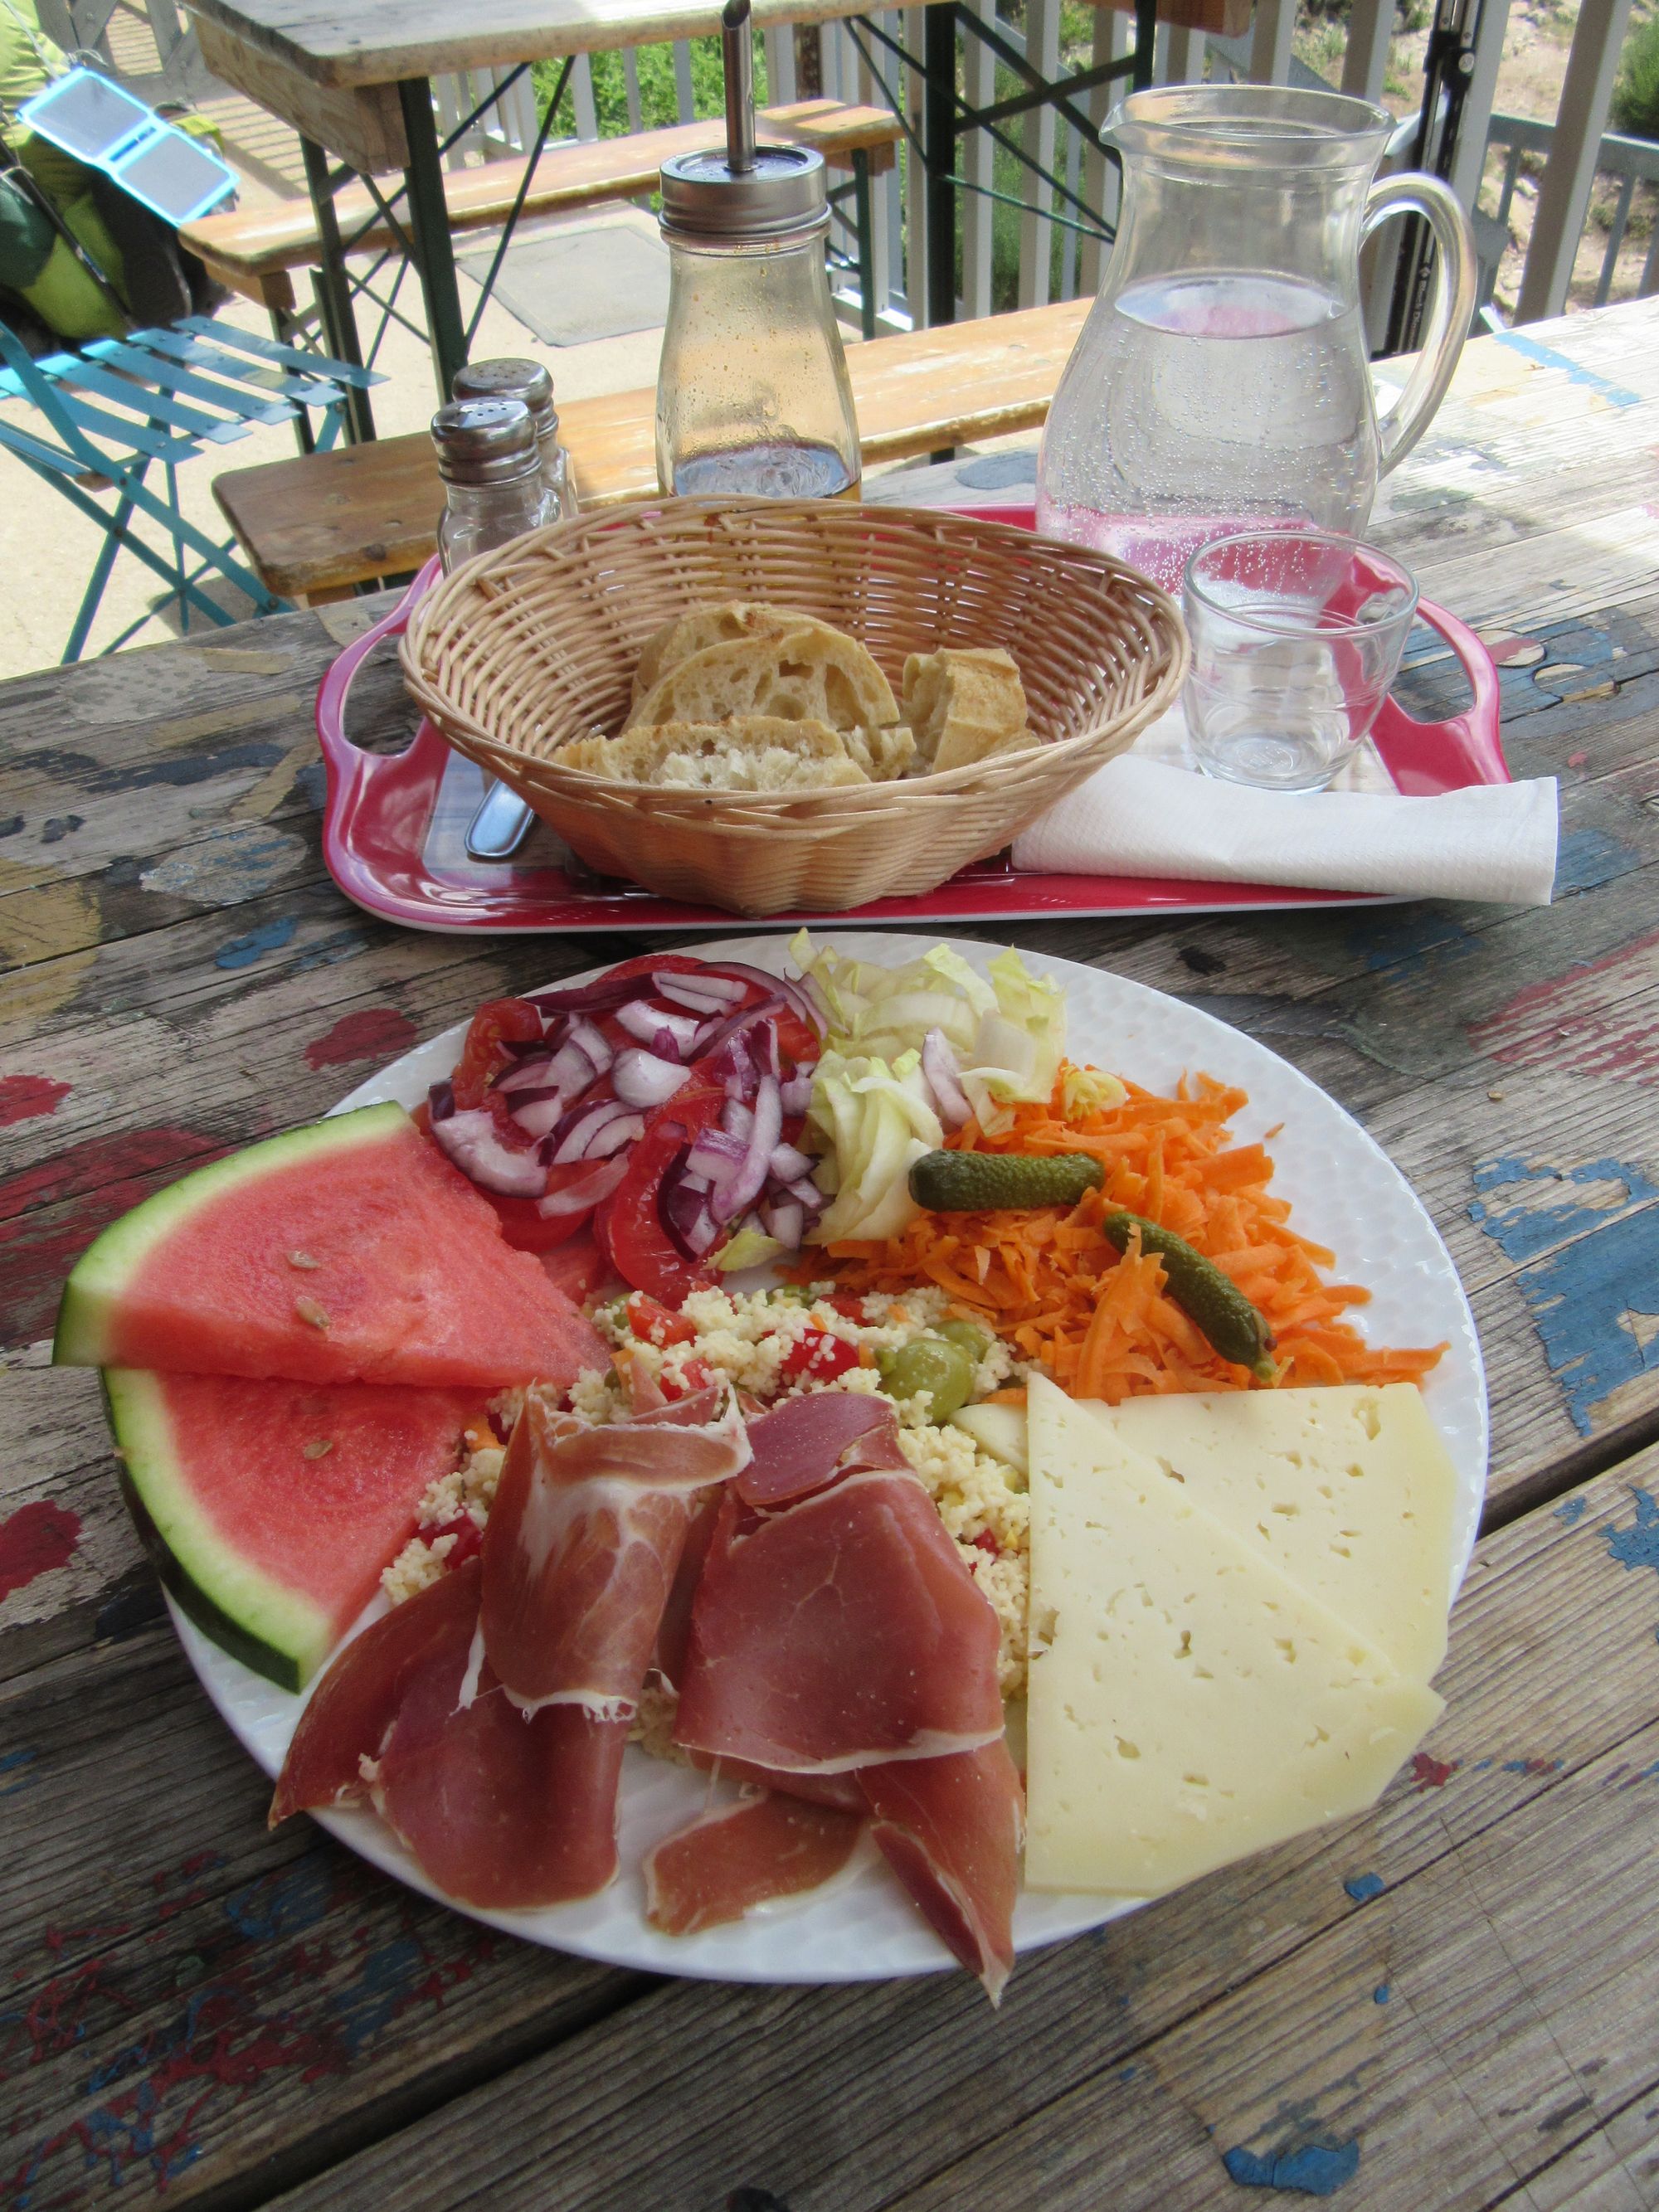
pixel 121 408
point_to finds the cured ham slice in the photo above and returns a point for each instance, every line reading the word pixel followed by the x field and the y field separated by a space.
pixel 952 1830
pixel 744 1855
pixel 584 1539
pixel 497 1810
pixel 840 1631
pixel 349 1714
pixel 808 1441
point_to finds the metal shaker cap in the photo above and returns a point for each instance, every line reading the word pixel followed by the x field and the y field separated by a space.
pixel 706 201
pixel 511 378
pixel 485 441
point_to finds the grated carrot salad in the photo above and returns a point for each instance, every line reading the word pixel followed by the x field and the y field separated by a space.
pixel 1049 1282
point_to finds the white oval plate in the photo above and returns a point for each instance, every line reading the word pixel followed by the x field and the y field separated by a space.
pixel 1346 1193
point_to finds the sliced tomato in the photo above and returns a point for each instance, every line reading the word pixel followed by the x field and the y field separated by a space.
pixel 528 1230
pixel 654 1324
pixel 498 1021
pixel 629 1223
pixel 820 1356
pixel 579 1267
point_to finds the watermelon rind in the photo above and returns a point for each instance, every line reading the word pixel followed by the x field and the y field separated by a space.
pixel 93 1290
pixel 277 1631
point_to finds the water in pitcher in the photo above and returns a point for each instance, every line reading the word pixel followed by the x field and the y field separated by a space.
pixel 1207 403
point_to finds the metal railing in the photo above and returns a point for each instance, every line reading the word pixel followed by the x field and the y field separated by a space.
pixel 1632 160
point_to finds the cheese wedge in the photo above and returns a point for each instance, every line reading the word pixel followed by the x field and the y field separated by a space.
pixel 1188 1702
pixel 1348 1489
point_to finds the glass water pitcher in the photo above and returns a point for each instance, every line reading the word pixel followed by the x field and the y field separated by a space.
pixel 1221 382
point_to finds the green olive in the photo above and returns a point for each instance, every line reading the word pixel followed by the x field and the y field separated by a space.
pixel 967 1335
pixel 931 1363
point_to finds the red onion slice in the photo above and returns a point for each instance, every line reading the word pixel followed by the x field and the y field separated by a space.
pixel 684 1213
pixel 651 1026
pixel 717 1155
pixel 593 1132
pixel 794 994
pixel 586 1192
pixel 938 1065
pixel 593 1041
pixel 736 1119
pixel 788 1165
pixel 705 994
pixel 589 998
pixel 797 1093
pixel 746 1186
pixel 785 1220
pixel 539 1113
pixel 440 1101
pixel 472 1141
pixel 640 1078
pixel 528 1075
pixel 807 1194
pixel 736 1024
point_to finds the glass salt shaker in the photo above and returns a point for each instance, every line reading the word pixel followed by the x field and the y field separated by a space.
pixel 753 399
pixel 516 377
pixel 491 468
pixel 492 476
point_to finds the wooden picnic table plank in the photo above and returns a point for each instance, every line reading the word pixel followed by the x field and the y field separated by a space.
pixel 192 2002
pixel 1238 2016
pixel 370 42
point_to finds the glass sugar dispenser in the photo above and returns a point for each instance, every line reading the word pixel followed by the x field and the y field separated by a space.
pixel 753 399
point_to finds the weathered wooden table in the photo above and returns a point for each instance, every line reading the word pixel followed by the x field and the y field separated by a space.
pixel 1452 2003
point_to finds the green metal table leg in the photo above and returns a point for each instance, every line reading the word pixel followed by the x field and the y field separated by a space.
pixel 866 220
pixel 434 257
pixel 939 136
pixel 334 293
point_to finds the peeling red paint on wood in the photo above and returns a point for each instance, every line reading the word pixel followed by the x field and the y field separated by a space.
pixel 1579 1022
pixel 34 1540
pixel 373 1033
pixel 110 1176
pixel 1431 1773
pixel 24 1096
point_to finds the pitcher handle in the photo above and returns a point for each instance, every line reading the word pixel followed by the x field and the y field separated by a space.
pixel 1455 285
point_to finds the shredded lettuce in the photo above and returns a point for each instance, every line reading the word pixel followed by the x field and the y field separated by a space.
pixel 1007 1030
pixel 750 1248
pixel 877 1120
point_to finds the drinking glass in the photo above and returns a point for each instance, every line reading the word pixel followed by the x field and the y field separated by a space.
pixel 1297 636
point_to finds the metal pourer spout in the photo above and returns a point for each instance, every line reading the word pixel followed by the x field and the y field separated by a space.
pixel 737 53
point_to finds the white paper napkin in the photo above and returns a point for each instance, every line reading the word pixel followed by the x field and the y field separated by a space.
pixel 1142 816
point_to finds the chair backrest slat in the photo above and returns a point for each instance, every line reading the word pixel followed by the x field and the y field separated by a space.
pixel 268 350
pixel 309 391
pixel 154 368
pixel 156 406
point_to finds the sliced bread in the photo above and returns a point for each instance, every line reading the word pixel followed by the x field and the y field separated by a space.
pixel 753 752
pixel 964 703
pixel 705 626
pixel 806 675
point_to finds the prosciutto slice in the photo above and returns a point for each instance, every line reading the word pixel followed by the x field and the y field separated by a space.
pixel 839 1632
pixel 951 1831
pixel 741 1855
pixel 497 1809
pixel 584 1539
pixel 808 1441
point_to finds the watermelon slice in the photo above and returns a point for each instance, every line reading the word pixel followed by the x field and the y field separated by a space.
pixel 349 1251
pixel 270 1509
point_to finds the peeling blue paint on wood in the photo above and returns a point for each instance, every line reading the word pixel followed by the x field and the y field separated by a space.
pixel 1543 1203
pixel 1585 858
pixel 1616 395
pixel 1381 1994
pixel 1572 1511
pixel 1638 1545
pixel 1361 1888
pixel 1593 1300
pixel 1311 2170
pixel 270 937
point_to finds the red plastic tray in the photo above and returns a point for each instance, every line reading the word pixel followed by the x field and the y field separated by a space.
pixel 392 823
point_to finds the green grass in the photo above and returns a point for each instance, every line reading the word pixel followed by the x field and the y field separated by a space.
pixel 1636 90
pixel 659 99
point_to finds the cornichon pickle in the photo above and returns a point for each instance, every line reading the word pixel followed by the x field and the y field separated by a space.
pixel 979 1182
pixel 932 1363
pixel 1236 1329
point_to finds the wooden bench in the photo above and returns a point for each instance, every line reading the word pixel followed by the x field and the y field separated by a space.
pixel 314 527
pixel 255 253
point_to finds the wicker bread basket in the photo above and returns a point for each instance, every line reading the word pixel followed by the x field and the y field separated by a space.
pixel 528 646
